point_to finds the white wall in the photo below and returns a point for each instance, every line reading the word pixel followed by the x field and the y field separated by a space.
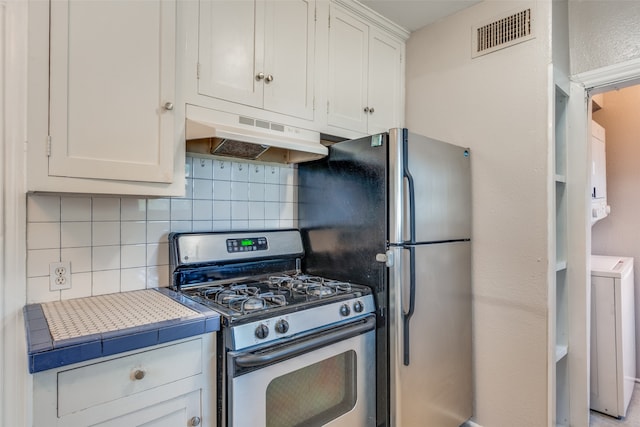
pixel 118 244
pixel 14 384
pixel 498 106
pixel 603 33
pixel 619 233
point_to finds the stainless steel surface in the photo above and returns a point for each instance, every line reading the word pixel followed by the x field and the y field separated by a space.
pixel 303 346
pixel 430 282
pixel 269 78
pixel 168 106
pixel 371 110
pixel 244 336
pixel 260 76
pixel 442 178
pixel 396 185
pixel 435 388
pixel 253 386
pixel 275 315
pixel 199 248
pixel 423 333
pixel 195 421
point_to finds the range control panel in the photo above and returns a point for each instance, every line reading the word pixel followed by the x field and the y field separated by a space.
pixel 247 244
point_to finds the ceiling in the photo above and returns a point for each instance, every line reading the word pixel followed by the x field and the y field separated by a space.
pixel 415 14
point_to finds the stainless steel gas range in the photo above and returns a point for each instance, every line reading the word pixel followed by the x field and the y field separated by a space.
pixel 294 349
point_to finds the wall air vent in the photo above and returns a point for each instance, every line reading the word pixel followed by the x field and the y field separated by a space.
pixel 503 32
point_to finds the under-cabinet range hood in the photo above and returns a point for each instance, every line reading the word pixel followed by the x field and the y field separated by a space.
pixel 224 134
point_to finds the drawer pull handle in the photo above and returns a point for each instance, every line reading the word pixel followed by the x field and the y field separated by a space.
pixel 195 421
pixel 139 374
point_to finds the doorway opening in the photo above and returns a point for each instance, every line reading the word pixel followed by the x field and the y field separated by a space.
pixel 581 235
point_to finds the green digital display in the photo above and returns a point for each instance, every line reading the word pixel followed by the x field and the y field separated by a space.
pixel 246 242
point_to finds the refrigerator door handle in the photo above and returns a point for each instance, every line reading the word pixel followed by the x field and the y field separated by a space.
pixel 406 315
pixel 409 178
pixel 412 239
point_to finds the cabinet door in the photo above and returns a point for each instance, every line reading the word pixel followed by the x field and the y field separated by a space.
pixel 112 71
pixel 348 62
pixel 385 82
pixel 179 411
pixel 289 53
pixel 230 50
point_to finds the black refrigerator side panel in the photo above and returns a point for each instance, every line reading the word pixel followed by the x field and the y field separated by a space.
pixel 342 215
pixel 342 212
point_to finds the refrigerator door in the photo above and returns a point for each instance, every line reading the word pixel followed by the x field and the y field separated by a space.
pixel 435 389
pixel 439 176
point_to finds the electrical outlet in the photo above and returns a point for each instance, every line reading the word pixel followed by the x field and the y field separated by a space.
pixel 59 275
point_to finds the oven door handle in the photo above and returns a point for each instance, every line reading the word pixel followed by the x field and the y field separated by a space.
pixel 335 335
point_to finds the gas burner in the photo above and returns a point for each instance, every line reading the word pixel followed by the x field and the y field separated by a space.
pixel 288 282
pixel 276 300
pixel 210 292
pixel 339 286
pixel 248 304
pixel 319 290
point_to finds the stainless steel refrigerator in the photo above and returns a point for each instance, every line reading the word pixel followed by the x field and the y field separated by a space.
pixel 393 211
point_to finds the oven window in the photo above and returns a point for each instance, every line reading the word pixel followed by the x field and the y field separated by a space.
pixel 313 395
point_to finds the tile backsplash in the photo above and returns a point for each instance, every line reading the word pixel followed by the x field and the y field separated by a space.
pixel 117 244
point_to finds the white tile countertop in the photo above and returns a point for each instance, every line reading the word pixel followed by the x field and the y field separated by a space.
pixel 60 333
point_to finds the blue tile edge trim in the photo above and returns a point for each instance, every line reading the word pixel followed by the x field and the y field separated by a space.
pixel 44 353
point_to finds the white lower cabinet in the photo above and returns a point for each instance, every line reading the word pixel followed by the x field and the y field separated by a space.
pixel 166 385
pixel 171 413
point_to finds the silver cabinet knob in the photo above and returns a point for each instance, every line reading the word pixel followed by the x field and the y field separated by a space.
pixel 138 374
pixel 371 110
pixel 194 421
pixel 269 78
pixel 260 76
pixel 366 109
pixel 168 106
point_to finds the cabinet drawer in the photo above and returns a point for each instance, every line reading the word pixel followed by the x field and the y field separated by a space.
pixel 94 384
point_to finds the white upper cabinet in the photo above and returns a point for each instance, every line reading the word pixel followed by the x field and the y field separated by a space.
pixel 112 107
pixel 385 88
pixel 348 62
pixel 366 75
pixel 258 53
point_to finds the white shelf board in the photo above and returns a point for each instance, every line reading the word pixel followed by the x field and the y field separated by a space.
pixel 561 352
pixel 561 265
pixel 560 178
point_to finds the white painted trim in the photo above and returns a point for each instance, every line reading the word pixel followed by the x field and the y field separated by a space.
pixel 375 18
pixel 470 423
pixel 15 382
pixel 611 74
pixel 578 254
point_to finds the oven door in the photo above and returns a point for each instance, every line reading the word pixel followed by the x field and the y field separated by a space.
pixel 327 379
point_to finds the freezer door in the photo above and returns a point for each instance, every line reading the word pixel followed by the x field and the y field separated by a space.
pixel 439 175
pixel 435 388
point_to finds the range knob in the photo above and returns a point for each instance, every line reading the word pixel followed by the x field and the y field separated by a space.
pixel 358 307
pixel 282 326
pixel 345 310
pixel 262 331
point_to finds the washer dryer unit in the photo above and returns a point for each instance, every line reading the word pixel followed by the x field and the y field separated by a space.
pixel 613 344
